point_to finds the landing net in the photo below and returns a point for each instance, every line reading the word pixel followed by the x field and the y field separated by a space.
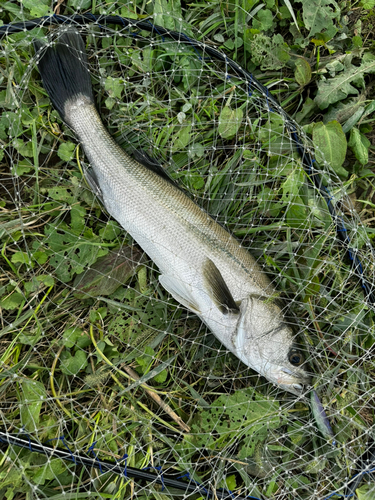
pixel 98 360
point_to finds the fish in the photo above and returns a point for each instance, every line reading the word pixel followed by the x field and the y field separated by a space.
pixel 201 264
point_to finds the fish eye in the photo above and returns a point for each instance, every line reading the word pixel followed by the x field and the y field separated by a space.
pixel 296 358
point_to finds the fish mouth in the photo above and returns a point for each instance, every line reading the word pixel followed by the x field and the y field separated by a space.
pixel 296 389
pixel 295 382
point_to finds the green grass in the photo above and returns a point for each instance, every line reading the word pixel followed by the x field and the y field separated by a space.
pixel 81 358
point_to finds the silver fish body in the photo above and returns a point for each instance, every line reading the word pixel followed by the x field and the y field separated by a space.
pixel 201 264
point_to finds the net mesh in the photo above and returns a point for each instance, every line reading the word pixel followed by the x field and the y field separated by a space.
pixel 96 357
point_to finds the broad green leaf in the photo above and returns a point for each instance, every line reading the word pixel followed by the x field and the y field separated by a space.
pixel 126 12
pixel 77 217
pixel 195 181
pixel 238 42
pixel 114 86
pixel 110 102
pixel 334 67
pixel 366 492
pixel 333 90
pixel 110 231
pixel 231 483
pixel 244 417
pixel 196 149
pixel 37 8
pixel 125 323
pixel 318 14
pixel 12 302
pixel 40 257
pixel 292 185
pixel 182 137
pixel 79 4
pixel 73 250
pixel 263 20
pixel 302 73
pixel 71 336
pixel 13 8
pixel 12 476
pixel 188 70
pixel 296 215
pixel 367 4
pixel 162 377
pixel 229 44
pixel 51 470
pixel 357 42
pixel 65 194
pixel 331 141
pixel 181 117
pixel 268 53
pixel 72 365
pixel 229 121
pixel 359 145
pixel 10 121
pixel 31 286
pixel 46 279
pixel 33 395
pixel 145 360
pixel 66 151
pixel 219 38
pixel 337 88
pixel 272 136
pixel 145 62
pixel 24 148
pixel 108 273
pixel 107 42
pixel 21 167
pixel 22 257
pixel 168 14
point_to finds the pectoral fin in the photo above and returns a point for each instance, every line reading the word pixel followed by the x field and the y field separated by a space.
pixel 179 291
pixel 218 290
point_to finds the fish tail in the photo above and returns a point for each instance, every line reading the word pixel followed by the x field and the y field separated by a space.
pixel 64 70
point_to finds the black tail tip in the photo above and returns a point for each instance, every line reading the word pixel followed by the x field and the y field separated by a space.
pixel 64 69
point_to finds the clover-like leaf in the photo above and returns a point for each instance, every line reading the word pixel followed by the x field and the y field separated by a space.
pixel 229 121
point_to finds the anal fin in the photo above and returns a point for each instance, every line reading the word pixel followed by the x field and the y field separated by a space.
pixel 179 291
pixel 92 181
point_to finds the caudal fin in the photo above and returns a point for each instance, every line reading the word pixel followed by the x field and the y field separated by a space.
pixel 64 70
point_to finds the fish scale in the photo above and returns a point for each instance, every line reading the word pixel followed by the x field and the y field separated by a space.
pixel 161 215
pixel 201 264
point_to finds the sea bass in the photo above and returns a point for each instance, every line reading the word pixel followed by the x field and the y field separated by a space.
pixel 201 265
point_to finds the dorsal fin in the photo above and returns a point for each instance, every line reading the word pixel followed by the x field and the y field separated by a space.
pixel 152 164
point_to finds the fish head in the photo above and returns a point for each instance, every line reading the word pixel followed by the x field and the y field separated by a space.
pixel 264 341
